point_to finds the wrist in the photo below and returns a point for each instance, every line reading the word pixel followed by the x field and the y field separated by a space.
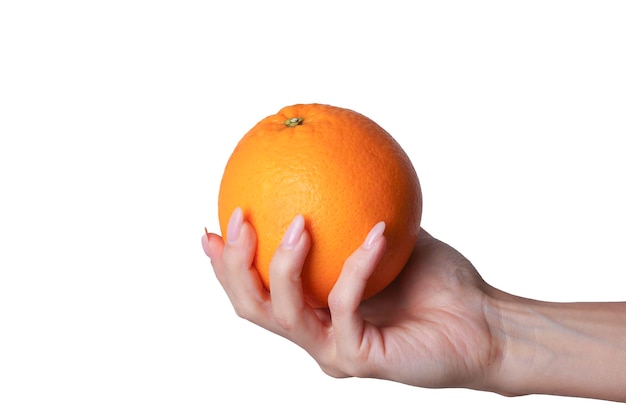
pixel 571 349
pixel 510 319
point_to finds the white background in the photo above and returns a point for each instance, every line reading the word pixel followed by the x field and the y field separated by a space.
pixel 117 118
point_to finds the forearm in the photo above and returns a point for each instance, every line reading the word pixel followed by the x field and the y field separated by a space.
pixel 571 349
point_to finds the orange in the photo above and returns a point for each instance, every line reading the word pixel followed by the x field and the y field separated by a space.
pixel 343 173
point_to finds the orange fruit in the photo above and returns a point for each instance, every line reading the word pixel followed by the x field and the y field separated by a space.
pixel 343 173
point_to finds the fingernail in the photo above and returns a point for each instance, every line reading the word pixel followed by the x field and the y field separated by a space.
pixel 293 233
pixel 205 242
pixel 234 226
pixel 374 235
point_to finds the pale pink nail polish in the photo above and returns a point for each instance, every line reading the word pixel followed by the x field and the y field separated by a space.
pixel 293 233
pixel 234 226
pixel 205 244
pixel 374 235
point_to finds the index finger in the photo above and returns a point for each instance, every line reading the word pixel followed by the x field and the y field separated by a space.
pixel 346 296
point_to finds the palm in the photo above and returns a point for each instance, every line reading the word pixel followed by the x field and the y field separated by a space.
pixel 430 321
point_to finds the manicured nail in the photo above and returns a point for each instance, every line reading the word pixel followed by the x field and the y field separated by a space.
pixel 293 233
pixel 205 242
pixel 374 235
pixel 234 226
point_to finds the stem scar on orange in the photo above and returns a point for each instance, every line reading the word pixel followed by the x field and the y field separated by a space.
pixel 341 171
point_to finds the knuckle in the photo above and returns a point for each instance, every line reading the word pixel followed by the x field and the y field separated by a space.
pixel 333 371
pixel 336 302
pixel 344 298
pixel 343 364
pixel 243 312
pixel 285 321
pixel 330 364
pixel 288 317
pixel 354 360
pixel 354 367
pixel 246 308
pixel 281 266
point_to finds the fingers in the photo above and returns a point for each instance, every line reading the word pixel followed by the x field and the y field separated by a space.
pixel 337 340
pixel 285 284
pixel 240 245
pixel 232 262
pixel 346 296
pixel 285 313
pixel 296 320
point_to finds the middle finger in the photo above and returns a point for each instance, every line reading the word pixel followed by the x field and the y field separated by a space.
pixel 297 320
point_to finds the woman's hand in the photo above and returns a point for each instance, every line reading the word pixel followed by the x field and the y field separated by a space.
pixel 431 327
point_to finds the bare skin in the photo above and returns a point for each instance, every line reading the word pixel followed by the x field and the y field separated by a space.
pixel 437 325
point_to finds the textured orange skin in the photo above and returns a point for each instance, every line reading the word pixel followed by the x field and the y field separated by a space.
pixel 343 173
